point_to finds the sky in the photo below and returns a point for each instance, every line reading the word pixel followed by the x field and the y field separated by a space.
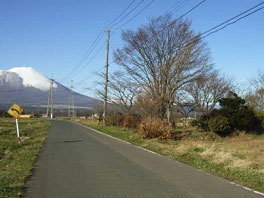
pixel 52 36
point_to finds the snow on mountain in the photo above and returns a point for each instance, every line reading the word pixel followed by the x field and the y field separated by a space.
pixel 31 78
pixel 25 86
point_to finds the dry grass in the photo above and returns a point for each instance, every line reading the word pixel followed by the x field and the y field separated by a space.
pixel 237 152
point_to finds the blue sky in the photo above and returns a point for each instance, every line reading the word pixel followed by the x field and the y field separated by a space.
pixel 53 35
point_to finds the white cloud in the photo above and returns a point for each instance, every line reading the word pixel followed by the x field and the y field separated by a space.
pixel 32 78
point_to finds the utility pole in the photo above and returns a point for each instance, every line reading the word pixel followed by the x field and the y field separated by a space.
pixel 48 106
pixel 69 107
pixel 106 74
pixel 71 112
pixel 50 100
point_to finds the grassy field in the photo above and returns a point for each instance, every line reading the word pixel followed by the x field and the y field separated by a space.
pixel 16 160
pixel 239 159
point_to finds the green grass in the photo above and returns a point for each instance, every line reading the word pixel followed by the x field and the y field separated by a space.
pixel 204 154
pixel 16 160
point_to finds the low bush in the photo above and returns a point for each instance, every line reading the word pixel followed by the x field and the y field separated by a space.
pixel 260 115
pixel 220 125
pixel 155 128
pixel 202 122
pixel 241 117
pixel 130 121
pixel 114 118
pixel 233 115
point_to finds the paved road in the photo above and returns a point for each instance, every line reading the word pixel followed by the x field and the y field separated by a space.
pixel 78 162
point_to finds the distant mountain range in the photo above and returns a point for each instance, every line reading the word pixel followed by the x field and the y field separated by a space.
pixel 25 86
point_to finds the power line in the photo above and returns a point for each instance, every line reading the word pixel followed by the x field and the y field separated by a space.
pixel 174 6
pixel 193 8
pixel 232 18
pixel 133 9
pixel 86 78
pixel 227 23
pixel 86 55
pixel 90 60
pixel 183 15
pixel 131 3
pixel 177 6
pixel 144 8
pixel 233 22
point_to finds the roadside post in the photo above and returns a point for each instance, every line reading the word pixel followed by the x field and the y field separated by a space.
pixel 15 111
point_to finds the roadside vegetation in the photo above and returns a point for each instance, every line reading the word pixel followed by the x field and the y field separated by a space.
pixel 17 159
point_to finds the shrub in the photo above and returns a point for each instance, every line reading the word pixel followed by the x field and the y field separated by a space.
pixel 194 122
pixel 233 115
pixel 155 128
pixel 220 125
pixel 114 118
pixel 240 116
pixel 130 121
pixel 202 122
pixel 260 115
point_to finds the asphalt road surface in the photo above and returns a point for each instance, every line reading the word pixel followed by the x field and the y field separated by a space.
pixel 78 162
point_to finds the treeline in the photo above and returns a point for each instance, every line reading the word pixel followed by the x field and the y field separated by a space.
pixel 166 72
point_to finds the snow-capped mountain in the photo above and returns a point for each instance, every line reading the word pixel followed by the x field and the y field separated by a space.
pixel 31 78
pixel 25 86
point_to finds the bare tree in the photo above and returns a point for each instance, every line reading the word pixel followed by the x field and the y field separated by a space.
pixel 121 91
pixel 256 96
pixel 206 91
pixel 161 57
pixel 258 83
pixel 256 99
pixel 185 109
pixel 146 105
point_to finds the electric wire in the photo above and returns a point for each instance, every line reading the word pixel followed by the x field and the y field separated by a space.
pixel 183 15
pixel 131 3
pixel 132 10
pixel 233 22
pixel 90 60
pixel 168 11
pixel 132 18
pixel 229 22
pixel 232 18
pixel 177 6
pixel 84 58
pixel 87 78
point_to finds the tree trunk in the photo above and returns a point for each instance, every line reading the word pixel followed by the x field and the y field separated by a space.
pixel 169 112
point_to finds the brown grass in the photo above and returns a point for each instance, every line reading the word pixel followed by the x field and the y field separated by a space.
pixel 235 152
